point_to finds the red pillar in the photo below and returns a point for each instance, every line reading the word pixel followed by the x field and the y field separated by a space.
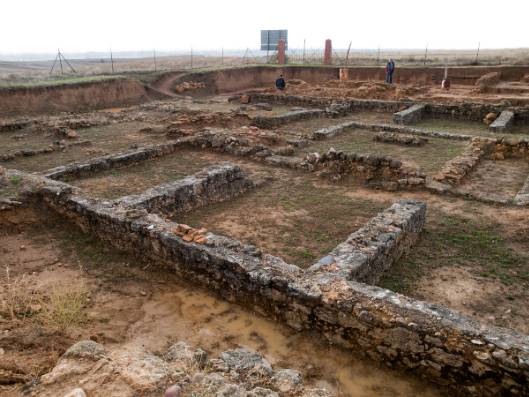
pixel 327 56
pixel 281 52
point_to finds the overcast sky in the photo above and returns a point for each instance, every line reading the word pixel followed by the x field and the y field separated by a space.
pixel 97 25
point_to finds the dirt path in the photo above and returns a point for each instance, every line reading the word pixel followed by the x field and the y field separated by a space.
pixel 166 83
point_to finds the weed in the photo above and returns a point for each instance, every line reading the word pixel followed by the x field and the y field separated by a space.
pixel 15 180
pixel 20 300
pixel 65 308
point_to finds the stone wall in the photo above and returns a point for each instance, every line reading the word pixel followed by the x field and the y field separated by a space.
pixel 399 139
pixel 383 171
pixel 211 185
pixel 522 197
pixel 56 146
pixel 410 115
pixel 289 117
pixel 371 250
pixel 503 122
pixel 443 346
pixel 98 164
pixel 459 167
pixel 461 111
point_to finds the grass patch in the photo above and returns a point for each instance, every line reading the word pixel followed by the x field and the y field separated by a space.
pixel 15 180
pixel 450 240
pixel 56 81
pixel 430 158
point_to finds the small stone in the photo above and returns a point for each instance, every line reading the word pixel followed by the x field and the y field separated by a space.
pixel 77 392
pixel 71 134
pixel 245 99
pixel 173 391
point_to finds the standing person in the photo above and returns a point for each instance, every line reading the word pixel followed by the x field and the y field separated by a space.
pixel 390 68
pixel 280 83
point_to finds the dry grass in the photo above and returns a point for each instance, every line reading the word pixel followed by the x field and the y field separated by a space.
pixel 59 310
pixel 65 308
pixel 20 300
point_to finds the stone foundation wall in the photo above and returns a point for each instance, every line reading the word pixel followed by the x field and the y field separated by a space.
pixel 503 122
pixel 371 250
pixel 522 197
pixel 289 117
pixel 459 167
pixel 461 111
pixel 410 115
pixel 351 104
pixel 98 164
pixel 211 185
pixel 388 173
pixel 505 148
pixel 59 146
pixel 443 346
pixel 399 139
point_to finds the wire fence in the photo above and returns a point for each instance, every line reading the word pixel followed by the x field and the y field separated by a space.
pixel 148 62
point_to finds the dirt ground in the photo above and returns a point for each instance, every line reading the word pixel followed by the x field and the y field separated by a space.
pixel 65 286
pixel 517 94
pixel 60 286
pixel 496 179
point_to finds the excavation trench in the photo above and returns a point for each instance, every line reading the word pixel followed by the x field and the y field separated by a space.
pixel 132 303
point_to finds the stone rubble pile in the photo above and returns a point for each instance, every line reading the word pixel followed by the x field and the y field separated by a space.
pixel 398 138
pixel 390 173
pixel 188 86
pixel 88 369
pixel 487 80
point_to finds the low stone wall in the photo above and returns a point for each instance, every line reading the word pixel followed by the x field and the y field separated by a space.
pixel 503 122
pixel 505 148
pixel 211 185
pixel 98 164
pixel 384 171
pixel 350 104
pixel 399 139
pixel 59 146
pixel 371 250
pixel 458 167
pixel 522 197
pixel 433 341
pixel 14 125
pixel 461 111
pixel 289 117
pixel 328 132
pixel 410 115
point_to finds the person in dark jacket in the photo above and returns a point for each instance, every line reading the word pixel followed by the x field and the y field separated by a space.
pixel 390 68
pixel 280 83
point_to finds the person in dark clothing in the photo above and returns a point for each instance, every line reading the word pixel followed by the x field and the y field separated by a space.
pixel 390 68
pixel 280 83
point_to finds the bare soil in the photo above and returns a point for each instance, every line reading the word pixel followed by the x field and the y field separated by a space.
pixel 500 180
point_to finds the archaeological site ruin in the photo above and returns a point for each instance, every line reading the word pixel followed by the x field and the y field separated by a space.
pixel 203 233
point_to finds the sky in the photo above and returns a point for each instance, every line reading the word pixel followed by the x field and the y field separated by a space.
pixel 38 26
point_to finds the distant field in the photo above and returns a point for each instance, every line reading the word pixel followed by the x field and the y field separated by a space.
pixel 24 73
pixel 55 81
